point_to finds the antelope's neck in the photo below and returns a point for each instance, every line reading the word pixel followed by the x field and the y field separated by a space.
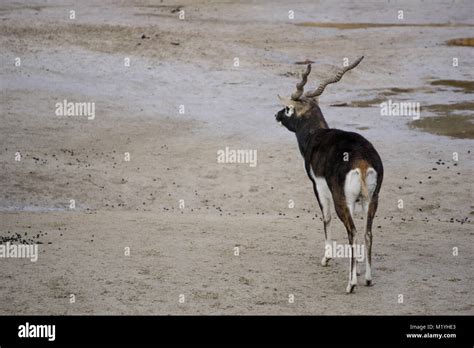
pixel 307 133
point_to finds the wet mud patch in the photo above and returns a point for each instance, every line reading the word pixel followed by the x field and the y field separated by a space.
pixel 382 95
pixel 361 103
pixel 366 103
pixel 447 109
pixel 461 86
pixel 164 10
pixel 469 42
pixel 453 120
pixel 456 126
pixel 396 90
pixel 171 8
pixel 449 121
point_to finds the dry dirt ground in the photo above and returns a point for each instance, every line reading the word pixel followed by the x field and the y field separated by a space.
pixel 135 205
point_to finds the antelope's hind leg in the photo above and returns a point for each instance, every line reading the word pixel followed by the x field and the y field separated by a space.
pixel 344 214
pixel 345 207
pixel 372 208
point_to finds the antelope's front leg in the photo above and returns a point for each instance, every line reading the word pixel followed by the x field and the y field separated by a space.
pixel 324 197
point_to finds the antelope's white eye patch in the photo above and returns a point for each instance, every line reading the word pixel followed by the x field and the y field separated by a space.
pixel 289 111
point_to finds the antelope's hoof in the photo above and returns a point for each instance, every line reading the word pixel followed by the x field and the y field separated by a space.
pixel 325 261
pixel 368 282
pixel 350 288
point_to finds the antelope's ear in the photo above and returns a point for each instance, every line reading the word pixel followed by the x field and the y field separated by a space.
pixel 285 101
pixel 299 106
pixel 301 109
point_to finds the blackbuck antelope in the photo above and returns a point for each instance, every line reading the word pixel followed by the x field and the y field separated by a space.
pixel 344 167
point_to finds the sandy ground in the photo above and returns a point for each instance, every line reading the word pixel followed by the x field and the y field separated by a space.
pixel 135 204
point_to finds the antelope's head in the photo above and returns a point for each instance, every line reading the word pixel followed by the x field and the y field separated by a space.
pixel 304 107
